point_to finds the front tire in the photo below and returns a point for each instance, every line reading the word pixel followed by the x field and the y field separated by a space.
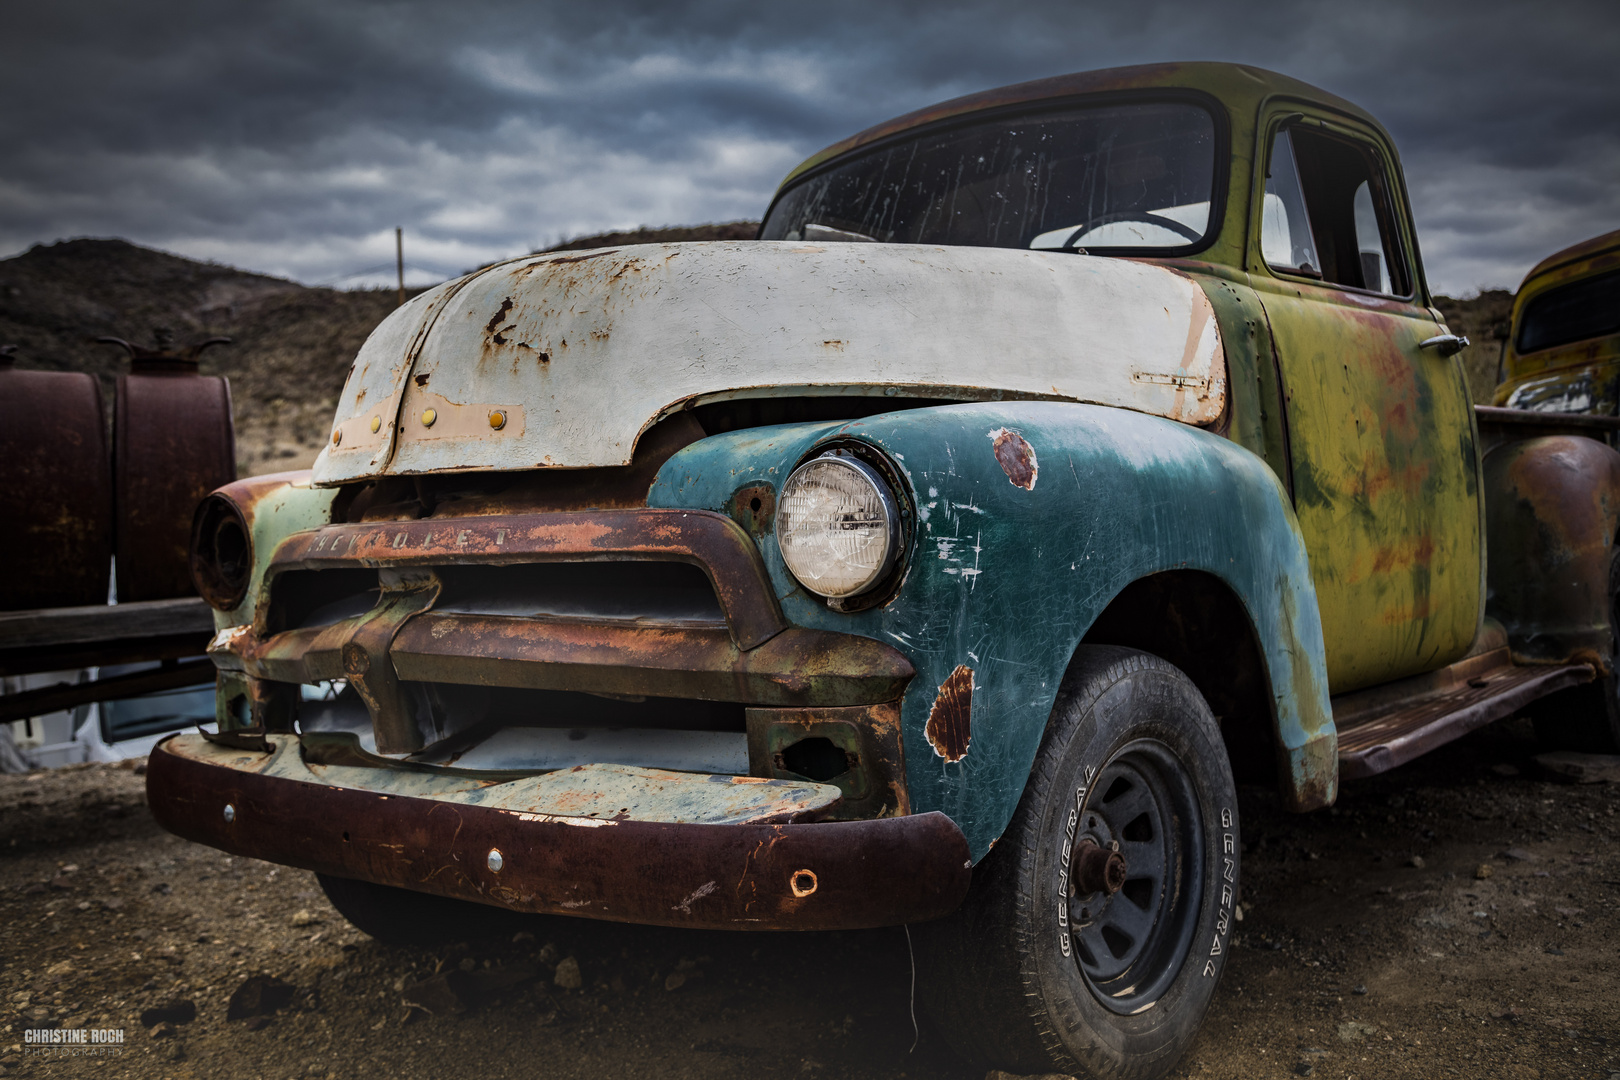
pixel 1037 974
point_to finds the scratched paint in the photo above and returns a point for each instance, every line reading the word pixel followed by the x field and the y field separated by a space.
pixel 1110 508
pixel 1385 475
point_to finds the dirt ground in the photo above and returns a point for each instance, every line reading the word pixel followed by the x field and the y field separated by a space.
pixel 1457 917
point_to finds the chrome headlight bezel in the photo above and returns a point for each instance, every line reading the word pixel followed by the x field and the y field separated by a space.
pixel 878 476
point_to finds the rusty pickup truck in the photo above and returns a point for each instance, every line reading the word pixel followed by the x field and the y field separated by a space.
pixel 1562 353
pixel 1056 458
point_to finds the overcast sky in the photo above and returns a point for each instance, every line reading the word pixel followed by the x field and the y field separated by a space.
pixel 291 137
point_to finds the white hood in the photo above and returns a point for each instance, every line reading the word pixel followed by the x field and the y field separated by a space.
pixel 578 354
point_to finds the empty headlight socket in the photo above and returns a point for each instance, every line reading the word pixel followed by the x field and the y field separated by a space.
pixel 886 588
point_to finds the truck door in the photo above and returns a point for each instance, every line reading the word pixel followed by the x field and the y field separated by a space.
pixel 1381 432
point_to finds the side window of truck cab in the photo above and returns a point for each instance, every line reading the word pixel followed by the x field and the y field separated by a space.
pixel 1327 214
pixel 1385 495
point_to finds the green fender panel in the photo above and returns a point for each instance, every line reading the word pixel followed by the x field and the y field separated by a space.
pixel 1005 580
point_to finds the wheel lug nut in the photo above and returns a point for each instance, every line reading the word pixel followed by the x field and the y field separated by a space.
pixel 1098 869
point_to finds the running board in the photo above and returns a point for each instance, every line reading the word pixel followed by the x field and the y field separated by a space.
pixel 1382 727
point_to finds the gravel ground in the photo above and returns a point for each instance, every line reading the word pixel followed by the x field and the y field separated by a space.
pixel 1458 917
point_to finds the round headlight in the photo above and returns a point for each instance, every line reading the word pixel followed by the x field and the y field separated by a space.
pixel 837 526
pixel 221 552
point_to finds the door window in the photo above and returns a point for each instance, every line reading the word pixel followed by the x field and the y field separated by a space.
pixel 1327 213
pixel 1285 230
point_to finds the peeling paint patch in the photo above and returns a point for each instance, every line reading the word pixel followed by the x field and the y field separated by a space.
pixel 825 320
pixel 949 728
pixel 559 819
pixel 1016 458
pixel 498 318
pixel 685 906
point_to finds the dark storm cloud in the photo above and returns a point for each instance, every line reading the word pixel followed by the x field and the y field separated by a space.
pixel 292 137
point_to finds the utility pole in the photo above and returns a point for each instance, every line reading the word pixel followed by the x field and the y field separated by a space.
pixel 399 261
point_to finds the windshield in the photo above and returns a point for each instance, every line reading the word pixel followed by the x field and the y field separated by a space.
pixel 1573 312
pixel 1110 177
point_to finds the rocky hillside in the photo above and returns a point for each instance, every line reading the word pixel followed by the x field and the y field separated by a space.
pixel 731 230
pixel 292 344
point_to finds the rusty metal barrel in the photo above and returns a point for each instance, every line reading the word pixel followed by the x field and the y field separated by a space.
pixel 173 442
pixel 56 546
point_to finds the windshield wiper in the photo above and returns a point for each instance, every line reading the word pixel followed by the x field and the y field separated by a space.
pixel 827 232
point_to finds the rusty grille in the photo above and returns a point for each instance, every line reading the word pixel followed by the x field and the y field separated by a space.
pixel 450 632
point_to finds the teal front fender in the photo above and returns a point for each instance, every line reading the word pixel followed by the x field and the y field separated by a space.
pixel 1004 578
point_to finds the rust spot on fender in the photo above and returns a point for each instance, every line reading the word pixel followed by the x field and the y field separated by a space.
pixel 950 721
pixel 1016 458
pixel 499 317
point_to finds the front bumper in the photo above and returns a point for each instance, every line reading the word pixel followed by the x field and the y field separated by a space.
pixel 433 831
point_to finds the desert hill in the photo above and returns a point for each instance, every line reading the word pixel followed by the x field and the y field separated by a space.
pixel 1484 321
pixel 292 344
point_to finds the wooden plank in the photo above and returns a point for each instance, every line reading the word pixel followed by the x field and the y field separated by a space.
pixel 130 651
pixel 49 699
pixel 99 623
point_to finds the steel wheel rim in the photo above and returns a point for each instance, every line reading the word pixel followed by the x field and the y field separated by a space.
pixel 1129 947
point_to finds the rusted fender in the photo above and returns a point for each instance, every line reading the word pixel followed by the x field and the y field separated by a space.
pixel 274 506
pixel 435 834
pixel 564 360
pixel 1552 506
pixel 1019 546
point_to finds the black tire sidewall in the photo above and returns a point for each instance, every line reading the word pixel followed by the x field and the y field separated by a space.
pixel 1137 697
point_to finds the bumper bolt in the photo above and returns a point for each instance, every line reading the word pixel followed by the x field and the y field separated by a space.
pixel 230 813
pixel 495 860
